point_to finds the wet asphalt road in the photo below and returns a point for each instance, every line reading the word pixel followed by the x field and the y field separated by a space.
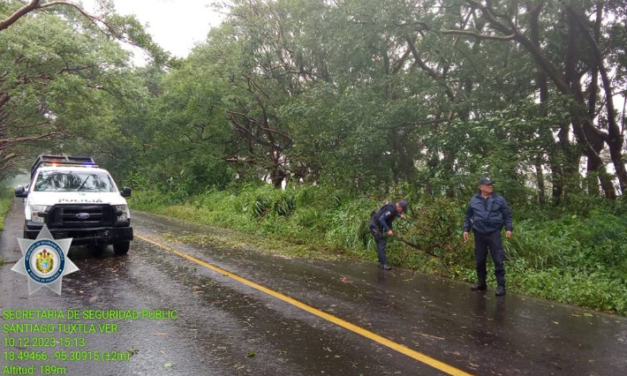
pixel 221 321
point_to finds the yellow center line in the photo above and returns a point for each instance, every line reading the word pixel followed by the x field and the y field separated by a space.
pixel 450 370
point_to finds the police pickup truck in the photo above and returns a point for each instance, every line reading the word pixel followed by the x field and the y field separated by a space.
pixel 78 200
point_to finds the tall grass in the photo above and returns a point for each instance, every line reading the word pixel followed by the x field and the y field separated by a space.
pixel 6 200
pixel 322 217
pixel 574 258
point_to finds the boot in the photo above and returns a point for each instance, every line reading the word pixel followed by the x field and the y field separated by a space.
pixel 480 285
pixel 385 267
pixel 500 291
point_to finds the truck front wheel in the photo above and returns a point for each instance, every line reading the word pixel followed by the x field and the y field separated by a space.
pixel 121 248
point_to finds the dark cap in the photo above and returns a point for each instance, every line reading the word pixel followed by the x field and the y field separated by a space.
pixel 486 181
pixel 403 205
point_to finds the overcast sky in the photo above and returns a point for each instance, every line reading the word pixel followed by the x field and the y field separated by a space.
pixel 176 25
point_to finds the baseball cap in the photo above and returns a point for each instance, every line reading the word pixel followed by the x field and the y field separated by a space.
pixel 403 205
pixel 486 181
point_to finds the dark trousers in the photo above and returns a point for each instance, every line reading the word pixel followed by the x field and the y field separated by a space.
pixel 494 243
pixel 379 238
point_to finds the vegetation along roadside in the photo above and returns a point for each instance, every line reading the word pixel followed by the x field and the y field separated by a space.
pixel 577 257
pixel 6 199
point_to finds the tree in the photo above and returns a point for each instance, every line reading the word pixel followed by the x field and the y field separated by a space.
pixel 588 134
pixel 381 95
pixel 58 68
pixel 55 81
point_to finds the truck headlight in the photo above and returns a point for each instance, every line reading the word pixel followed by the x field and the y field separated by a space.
pixel 35 210
pixel 122 211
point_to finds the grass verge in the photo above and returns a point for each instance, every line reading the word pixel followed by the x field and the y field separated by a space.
pixel 579 259
pixel 6 200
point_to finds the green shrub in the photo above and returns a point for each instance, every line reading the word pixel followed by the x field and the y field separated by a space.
pixel 577 257
pixel 6 200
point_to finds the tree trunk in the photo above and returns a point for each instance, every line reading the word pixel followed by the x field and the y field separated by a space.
pixel 614 139
pixel 277 176
pixel 449 160
pixel 569 166
pixel 547 140
pixel 591 140
pixel 587 135
pixel 592 179
pixel 540 180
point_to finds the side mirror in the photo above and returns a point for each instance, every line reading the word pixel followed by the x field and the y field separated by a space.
pixel 126 192
pixel 20 192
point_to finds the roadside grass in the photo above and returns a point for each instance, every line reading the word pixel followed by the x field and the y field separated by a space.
pixel 318 228
pixel 6 200
pixel 577 258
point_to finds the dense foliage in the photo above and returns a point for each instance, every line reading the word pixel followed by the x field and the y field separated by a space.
pixel 365 95
pixel 348 103
pixel 64 78
pixel 578 258
pixel 6 200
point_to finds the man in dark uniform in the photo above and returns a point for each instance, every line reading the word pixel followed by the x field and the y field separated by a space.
pixel 486 215
pixel 381 224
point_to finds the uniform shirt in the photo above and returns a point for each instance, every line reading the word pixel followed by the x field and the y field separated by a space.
pixel 486 215
pixel 385 216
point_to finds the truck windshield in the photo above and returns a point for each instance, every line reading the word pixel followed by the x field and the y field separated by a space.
pixel 74 181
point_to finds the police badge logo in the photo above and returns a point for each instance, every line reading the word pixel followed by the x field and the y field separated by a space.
pixel 44 261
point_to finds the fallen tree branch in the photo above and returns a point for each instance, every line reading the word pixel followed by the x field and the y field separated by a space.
pixel 416 247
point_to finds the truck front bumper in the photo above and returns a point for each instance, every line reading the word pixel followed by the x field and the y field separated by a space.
pixel 101 235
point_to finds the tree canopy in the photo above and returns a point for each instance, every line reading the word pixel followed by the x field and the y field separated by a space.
pixel 367 95
pixel 63 76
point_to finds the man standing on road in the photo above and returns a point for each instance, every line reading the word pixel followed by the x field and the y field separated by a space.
pixel 486 215
pixel 381 225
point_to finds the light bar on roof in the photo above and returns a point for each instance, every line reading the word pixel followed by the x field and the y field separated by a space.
pixel 62 160
pixel 68 165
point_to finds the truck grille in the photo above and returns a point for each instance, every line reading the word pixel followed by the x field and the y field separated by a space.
pixel 81 216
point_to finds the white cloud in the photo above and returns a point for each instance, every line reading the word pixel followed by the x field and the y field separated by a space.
pixel 176 25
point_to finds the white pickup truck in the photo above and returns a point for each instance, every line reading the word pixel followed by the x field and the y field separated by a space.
pixel 78 200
